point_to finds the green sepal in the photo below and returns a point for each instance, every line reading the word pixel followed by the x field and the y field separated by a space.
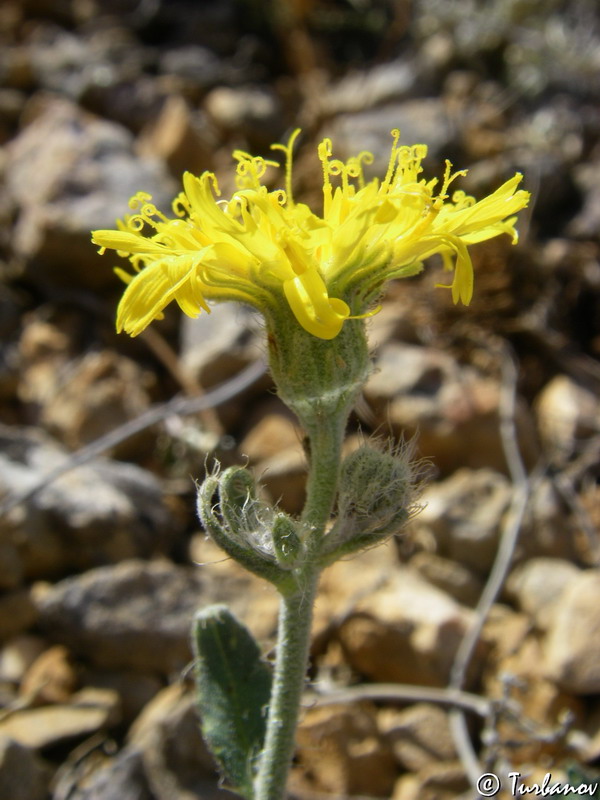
pixel 286 542
pixel 236 548
pixel 233 688
pixel 236 495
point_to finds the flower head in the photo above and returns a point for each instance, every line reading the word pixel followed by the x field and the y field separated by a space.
pixel 263 248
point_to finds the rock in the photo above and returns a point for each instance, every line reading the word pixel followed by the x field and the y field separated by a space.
pixel 538 585
pixel 518 668
pixel 215 346
pixel 253 112
pixel 198 68
pixel 271 430
pixel 463 514
pixel 548 529
pixel 18 654
pixel 586 222
pixel 572 646
pixel 284 478
pixel 451 577
pixel 451 410
pixel 17 613
pixel 44 350
pixel 505 631
pixel 104 390
pixel 346 582
pixel 274 446
pixel 135 689
pixel 167 735
pixel 422 120
pixel 566 413
pixel 344 753
pixel 52 678
pixel 406 631
pixel 22 775
pixel 361 90
pixel 176 138
pixel 84 173
pixel 419 735
pixel 445 781
pixel 11 566
pixel 135 615
pixel 88 711
pixel 101 512
pixel 119 778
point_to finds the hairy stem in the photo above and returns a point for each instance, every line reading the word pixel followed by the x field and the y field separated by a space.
pixel 296 611
pixel 295 617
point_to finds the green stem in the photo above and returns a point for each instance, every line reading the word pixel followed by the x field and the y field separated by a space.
pixel 296 611
pixel 326 435
pixel 295 618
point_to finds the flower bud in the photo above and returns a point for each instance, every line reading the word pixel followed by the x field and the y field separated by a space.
pixel 376 498
pixel 286 542
pixel 251 531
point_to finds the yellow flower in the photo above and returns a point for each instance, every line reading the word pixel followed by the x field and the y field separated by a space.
pixel 263 248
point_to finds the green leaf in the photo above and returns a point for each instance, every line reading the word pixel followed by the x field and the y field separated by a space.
pixel 233 689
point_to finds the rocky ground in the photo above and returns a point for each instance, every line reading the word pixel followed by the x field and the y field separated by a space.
pixel 102 566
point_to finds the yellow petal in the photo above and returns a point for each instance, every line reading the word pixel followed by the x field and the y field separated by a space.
pixel 313 308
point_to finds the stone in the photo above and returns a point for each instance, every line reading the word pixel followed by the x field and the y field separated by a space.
pixel 134 615
pixel 84 172
pixel 283 476
pixel 11 565
pixel 452 577
pixel 505 630
pixel 566 413
pixel 251 111
pixel 88 711
pixel 167 734
pixel 215 346
pixel 103 511
pixel 135 689
pixel 345 583
pixel 252 600
pixel 547 527
pixel 365 89
pixel 22 775
pixel 587 220
pixel 18 654
pixel 463 514
pixel 343 752
pixel 119 778
pixel 422 120
pixel 419 735
pixel 572 646
pixel 197 67
pixel 406 631
pixel 537 586
pixel 451 410
pixel 104 390
pixel 518 669
pixel 176 138
pixel 17 613
pixel 444 781
pixel 52 678
pixel 274 446
pixel 272 430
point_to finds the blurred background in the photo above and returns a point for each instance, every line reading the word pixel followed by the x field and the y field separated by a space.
pixel 103 565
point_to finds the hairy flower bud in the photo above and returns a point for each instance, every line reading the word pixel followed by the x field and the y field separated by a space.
pixel 254 533
pixel 376 498
pixel 286 542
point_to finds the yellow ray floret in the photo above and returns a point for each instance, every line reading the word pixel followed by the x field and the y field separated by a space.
pixel 261 247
